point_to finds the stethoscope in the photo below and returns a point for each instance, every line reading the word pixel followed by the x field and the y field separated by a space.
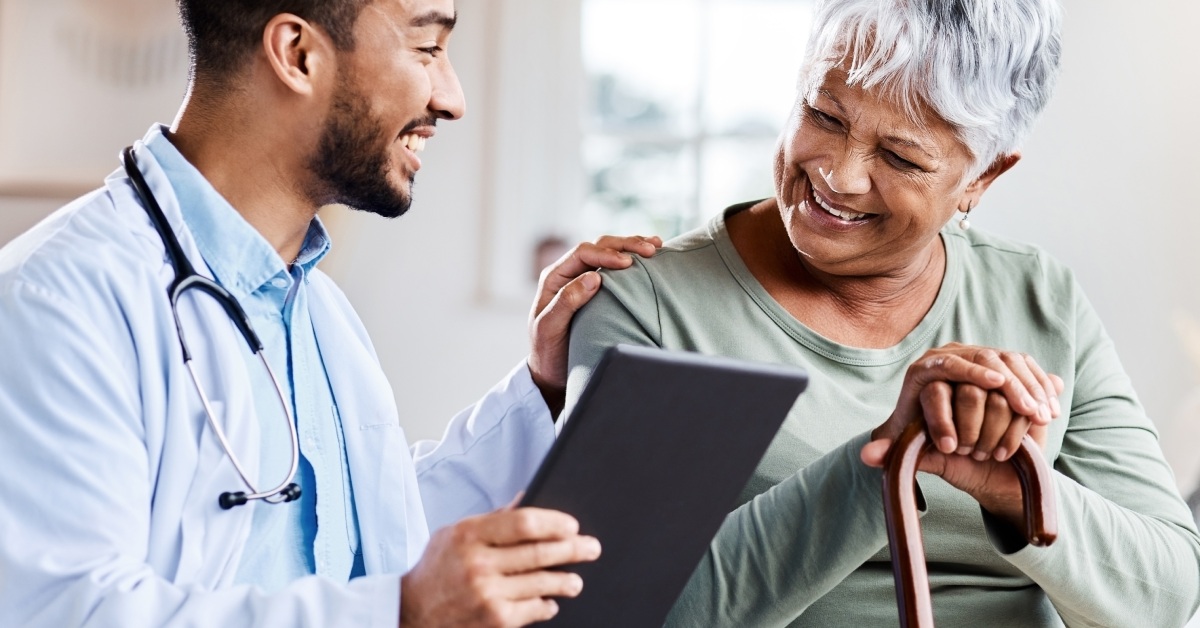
pixel 187 278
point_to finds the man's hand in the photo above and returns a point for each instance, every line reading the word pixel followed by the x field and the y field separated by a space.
pixel 564 287
pixel 492 570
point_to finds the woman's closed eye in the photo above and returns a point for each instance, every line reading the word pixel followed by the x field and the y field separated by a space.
pixel 899 162
pixel 823 119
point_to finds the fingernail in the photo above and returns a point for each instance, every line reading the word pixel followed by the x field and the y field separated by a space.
pixel 1030 401
pixel 593 548
pixel 1056 406
pixel 964 450
pixel 576 584
pixel 946 444
pixel 980 456
pixel 1001 454
pixel 1044 412
pixel 591 280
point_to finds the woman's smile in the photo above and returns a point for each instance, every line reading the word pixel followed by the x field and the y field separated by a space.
pixel 827 212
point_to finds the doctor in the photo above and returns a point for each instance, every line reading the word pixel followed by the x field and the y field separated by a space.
pixel 121 498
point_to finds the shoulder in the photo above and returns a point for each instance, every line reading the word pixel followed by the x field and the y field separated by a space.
pixel 1026 281
pixel 681 259
pixel 91 246
pixel 1007 260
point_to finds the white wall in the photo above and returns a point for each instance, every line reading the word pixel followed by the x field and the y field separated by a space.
pixel 1104 186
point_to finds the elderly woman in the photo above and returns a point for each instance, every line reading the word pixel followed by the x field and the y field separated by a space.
pixel 907 111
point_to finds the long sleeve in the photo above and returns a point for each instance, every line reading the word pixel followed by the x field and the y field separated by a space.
pixel 488 453
pixel 79 484
pixel 1128 552
pixel 785 549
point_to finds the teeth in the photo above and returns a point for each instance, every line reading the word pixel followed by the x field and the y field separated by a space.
pixel 837 212
pixel 415 143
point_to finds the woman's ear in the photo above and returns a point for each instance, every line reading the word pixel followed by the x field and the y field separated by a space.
pixel 976 188
pixel 299 53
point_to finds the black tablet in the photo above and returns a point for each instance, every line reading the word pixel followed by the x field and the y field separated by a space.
pixel 650 461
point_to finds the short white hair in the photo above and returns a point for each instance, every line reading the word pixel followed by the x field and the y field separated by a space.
pixel 987 67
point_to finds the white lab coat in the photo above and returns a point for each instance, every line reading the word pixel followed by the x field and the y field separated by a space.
pixel 109 476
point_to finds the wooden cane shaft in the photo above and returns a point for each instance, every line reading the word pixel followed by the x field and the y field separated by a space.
pixel 904 524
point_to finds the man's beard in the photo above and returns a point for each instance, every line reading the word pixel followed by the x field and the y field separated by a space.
pixel 351 163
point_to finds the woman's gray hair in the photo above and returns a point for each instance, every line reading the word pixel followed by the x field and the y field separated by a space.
pixel 987 67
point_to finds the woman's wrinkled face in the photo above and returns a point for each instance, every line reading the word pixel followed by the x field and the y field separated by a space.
pixel 863 188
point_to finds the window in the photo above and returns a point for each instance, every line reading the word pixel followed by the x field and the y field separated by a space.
pixel 685 101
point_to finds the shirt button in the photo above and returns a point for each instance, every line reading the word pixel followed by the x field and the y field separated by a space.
pixel 279 282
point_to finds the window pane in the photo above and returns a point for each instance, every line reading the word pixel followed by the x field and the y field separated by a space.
pixel 638 187
pixel 753 49
pixel 687 99
pixel 640 57
pixel 735 170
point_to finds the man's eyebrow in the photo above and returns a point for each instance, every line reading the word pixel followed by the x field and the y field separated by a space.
pixel 434 17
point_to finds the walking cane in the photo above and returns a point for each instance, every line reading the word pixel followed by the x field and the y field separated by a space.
pixel 904 526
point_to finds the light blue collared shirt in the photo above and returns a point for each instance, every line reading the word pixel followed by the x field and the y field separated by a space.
pixel 318 534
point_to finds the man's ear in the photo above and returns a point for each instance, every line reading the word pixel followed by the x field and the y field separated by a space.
pixel 300 54
pixel 976 188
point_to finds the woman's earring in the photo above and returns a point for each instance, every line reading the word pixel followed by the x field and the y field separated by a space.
pixel 965 224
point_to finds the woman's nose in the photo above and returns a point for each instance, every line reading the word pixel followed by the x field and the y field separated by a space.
pixel 847 174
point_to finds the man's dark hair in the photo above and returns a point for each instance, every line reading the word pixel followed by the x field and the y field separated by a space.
pixel 223 33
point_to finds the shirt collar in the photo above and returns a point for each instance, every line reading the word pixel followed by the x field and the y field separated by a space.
pixel 239 257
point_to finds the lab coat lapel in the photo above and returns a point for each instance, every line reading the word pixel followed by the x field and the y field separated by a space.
pixel 391 520
pixel 210 539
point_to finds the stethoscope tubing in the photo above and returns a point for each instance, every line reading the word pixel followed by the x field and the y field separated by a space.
pixel 187 278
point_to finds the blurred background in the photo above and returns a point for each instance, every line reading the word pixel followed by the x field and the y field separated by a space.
pixel 619 116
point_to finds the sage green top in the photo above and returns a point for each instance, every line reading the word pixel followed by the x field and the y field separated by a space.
pixel 807 545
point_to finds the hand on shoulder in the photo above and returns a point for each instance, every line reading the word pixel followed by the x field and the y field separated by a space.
pixel 564 287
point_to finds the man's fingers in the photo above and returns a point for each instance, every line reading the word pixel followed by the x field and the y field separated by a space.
pixel 554 319
pixel 523 525
pixel 607 252
pixel 523 557
pixel 641 245
pixel 530 611
pixel 539 584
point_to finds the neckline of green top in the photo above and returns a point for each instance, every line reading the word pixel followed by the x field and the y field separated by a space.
pixel 917 339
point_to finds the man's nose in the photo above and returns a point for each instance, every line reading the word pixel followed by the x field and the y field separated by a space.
pixel 447 100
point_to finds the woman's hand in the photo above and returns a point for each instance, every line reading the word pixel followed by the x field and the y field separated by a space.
pixel 564 287
pixel 954 414
pixel 978 404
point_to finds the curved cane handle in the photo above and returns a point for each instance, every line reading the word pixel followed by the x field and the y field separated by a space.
pixel 904 526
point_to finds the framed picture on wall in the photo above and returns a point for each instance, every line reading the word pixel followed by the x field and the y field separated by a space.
pixel 79 81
